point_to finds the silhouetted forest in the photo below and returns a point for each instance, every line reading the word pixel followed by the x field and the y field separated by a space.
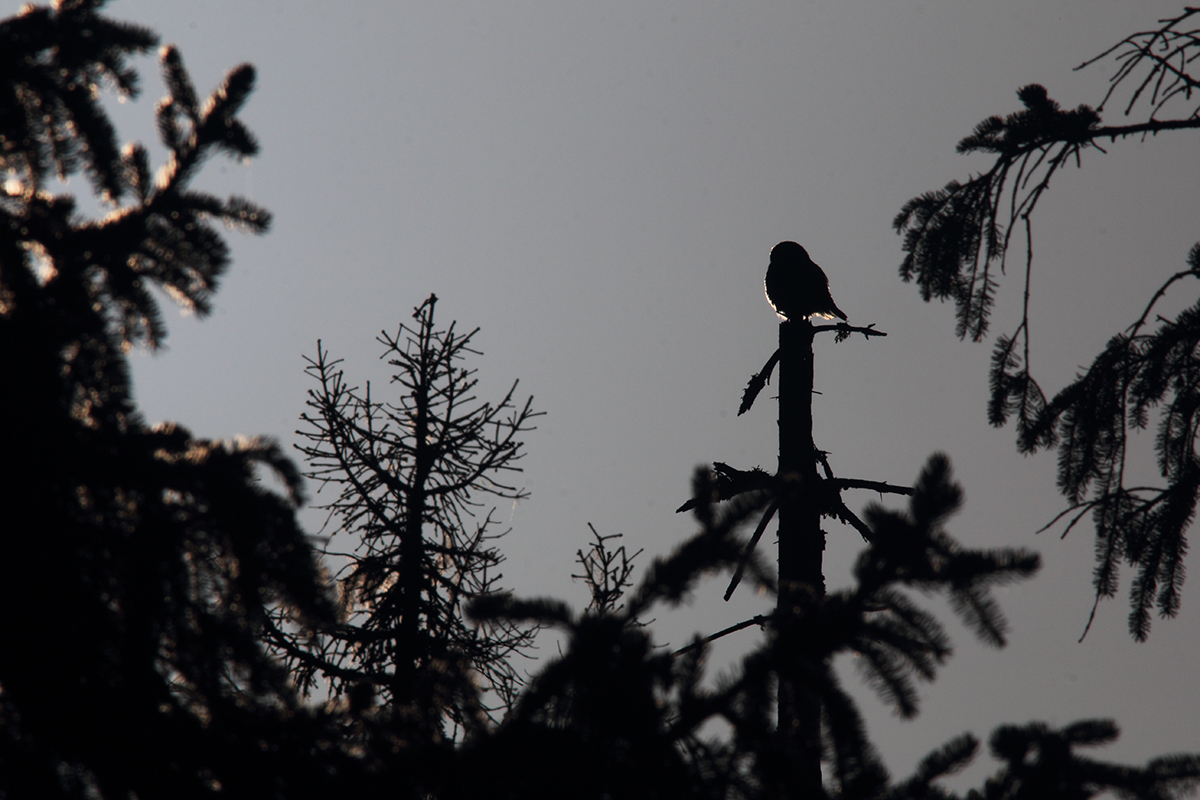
pixel 167 629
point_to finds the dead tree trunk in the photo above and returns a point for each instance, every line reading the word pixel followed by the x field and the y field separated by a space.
pixel 801 547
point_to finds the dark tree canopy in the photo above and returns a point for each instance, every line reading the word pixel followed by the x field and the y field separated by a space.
pixel 412 467
pixel 145 574
pixel 137 562
pixel 958 240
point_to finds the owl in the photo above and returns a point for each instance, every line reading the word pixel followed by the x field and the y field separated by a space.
pixel 796 287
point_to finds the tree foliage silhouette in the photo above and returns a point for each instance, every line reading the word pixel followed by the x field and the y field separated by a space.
pixel 613 716
pixel 1039 762
pixel 144 572
pixel 894 639
pixel 895 642
pixel 957 241
pixel 410 473
pixel 137 562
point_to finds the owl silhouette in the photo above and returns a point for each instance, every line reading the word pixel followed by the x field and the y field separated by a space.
pixel 796 287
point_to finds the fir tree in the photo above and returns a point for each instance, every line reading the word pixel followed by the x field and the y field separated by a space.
pixel 958 240
pixel 411 472
pixel 786 707
pixel 136 563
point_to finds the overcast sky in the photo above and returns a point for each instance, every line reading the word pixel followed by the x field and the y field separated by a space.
pixel 598 186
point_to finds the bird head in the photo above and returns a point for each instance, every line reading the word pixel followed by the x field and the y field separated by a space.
pixel 787 251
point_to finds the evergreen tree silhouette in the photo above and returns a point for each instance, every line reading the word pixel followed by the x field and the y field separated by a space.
pixel 144 572
pixel 957 241
pixel 613 715
pixel 136 562
pixel 410 472
pixel 896 641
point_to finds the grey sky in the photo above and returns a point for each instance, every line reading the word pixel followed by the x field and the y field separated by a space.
pixel 598 186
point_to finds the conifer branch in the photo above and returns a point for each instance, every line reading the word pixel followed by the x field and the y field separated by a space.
pixel 955 236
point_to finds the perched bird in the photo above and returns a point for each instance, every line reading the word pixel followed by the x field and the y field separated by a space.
pixel 796 287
